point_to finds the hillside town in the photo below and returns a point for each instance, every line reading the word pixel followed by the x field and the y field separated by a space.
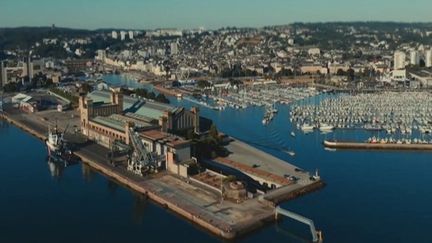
pixel 336 54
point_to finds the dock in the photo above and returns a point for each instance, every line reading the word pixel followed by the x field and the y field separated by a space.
pixel 377 146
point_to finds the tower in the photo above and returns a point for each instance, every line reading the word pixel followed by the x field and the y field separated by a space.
pixel 414 57
pixel 399 60
pixel 428 58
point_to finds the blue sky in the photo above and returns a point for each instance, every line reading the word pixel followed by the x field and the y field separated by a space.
pixel 148 14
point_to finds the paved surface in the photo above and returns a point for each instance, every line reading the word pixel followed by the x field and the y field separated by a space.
pixel 40 121
pixel 196 199
pixel 248 155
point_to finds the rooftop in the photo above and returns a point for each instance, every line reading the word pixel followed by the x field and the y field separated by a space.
pixel 149 109
pixel 170 139
pixel 109 122
pixel 118 122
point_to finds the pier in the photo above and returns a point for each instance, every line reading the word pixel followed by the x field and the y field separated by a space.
pixel 377 146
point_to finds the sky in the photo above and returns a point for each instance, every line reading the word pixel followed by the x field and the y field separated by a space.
pixel 210 14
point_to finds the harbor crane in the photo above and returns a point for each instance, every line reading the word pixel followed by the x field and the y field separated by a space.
pixel 141 161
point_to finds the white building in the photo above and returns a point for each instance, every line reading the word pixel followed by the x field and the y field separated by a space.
pixel 101 55
pixel 290 41
pixel 414 57
pixel 428 58
pixel 174 48
pixel 399 75
pixel 314 52
pixel 131 34
pixel 399 60
pixel 122 35
pixel 114 34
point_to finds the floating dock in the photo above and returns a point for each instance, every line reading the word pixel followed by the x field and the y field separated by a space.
pixel 377 146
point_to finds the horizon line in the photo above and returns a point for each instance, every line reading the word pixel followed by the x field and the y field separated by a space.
pixel 222 27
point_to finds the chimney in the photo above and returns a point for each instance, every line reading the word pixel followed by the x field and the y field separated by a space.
pixel 113 98
pixel 119 102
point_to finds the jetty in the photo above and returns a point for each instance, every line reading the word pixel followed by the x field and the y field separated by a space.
pixel 377 146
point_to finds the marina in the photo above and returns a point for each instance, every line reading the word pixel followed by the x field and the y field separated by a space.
pixel 252 95
pixel 260 95
pixel 395 117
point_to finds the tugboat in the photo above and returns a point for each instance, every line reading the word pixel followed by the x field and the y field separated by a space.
pixel 57 148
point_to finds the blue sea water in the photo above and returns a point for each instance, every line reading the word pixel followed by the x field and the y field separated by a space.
pixel 369 197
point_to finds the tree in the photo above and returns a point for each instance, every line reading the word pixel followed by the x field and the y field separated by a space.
pixel 161 98
pixel 351 75
pixel 151 95
pixel 203 83
pixel 86 88
pixel 141 92
pixel 12 87
pixel 285 72
pixel 340 72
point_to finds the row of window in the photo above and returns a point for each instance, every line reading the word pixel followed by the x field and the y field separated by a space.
pixel 106 132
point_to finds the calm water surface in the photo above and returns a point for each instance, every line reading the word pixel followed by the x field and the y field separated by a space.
pixel 369 197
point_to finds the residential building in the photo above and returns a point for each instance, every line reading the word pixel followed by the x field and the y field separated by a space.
pixel 114 34
pixel 399 60
pixel 414 57
pixel 428 58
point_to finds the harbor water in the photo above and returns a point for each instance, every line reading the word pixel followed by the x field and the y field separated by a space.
pixel 370 196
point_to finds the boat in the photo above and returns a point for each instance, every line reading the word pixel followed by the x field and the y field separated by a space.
pixel 57 147
pixel 329 149
pixel 326 128
pixel 55 140
pixel 268 116
pixel 307 128
pixel 293 134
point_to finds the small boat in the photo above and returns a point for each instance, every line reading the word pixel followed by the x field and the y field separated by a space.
pixel 289 152
pixel 307 128
pixel 329 149
pixel 293 134
pixel 326 128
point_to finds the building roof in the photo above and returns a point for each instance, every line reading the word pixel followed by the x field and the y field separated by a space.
pixel 118 122
pixel 21 98
pixel 109 122
pixel 171 140
pixel 145 108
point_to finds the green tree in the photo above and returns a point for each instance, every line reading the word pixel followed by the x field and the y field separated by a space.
pixel 202 84
pixel 151 96
pixel 161 98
